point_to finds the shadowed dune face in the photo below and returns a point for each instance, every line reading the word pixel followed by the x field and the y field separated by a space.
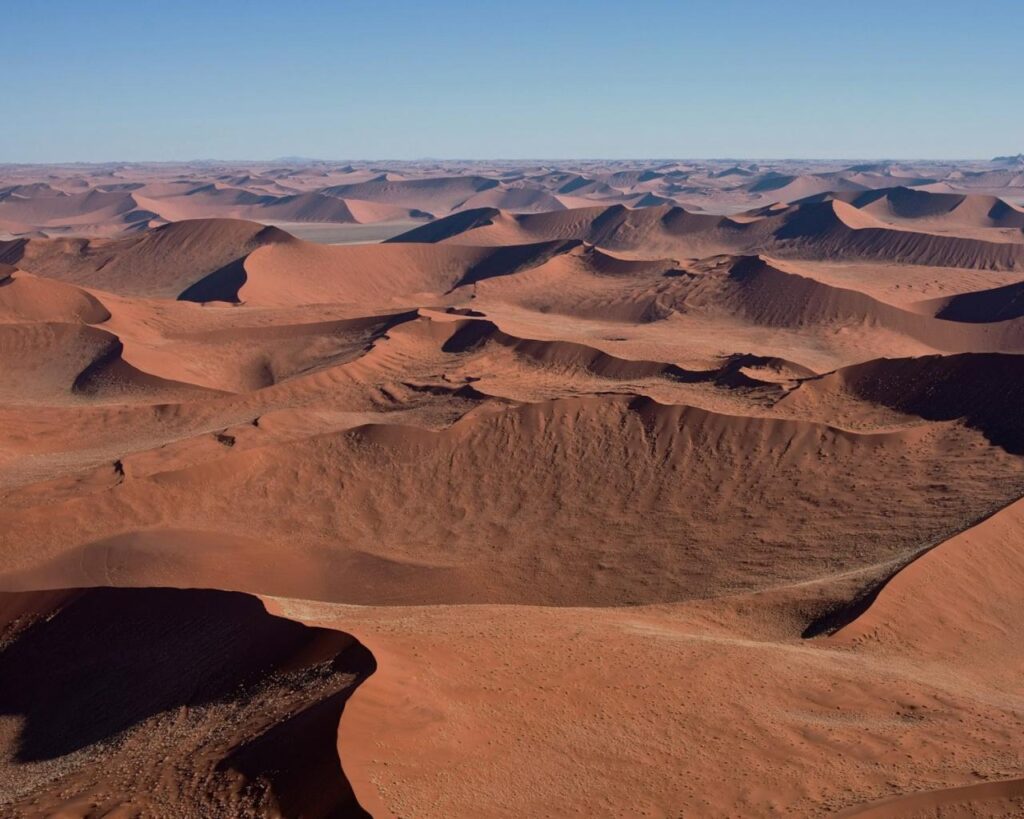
pixel 976 388
pixel 664 489
pixel 162 262
pixel 184 702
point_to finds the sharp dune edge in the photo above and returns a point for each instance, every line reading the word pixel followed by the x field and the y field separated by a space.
pixel 499 490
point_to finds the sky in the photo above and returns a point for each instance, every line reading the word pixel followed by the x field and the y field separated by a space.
pixel 224 79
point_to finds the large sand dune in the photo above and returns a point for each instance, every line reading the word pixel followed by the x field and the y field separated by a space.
pixel 664 489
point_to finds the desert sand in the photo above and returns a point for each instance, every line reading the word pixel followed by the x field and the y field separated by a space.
pixel 504 490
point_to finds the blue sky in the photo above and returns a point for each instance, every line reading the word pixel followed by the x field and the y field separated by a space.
pixel 97 81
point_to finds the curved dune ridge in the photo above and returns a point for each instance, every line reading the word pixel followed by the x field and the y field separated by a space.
pixel 665 454
pixel 774 297
pixel 159 263
pixel 982 307
pixel 980 566
pixel 658 510
pixel 979 389
pixel 963 210
pixel 26 298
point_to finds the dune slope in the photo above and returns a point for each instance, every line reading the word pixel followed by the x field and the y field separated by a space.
pixel 186 703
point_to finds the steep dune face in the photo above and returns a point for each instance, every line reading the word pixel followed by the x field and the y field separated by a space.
pixel 774 297
pixel 47 358
pixel 558 539
pixel 955 601
pixel 979 568
pixel 982 306
pixel 955 210
pixel 357 275
pixel 821 729
pixel 837 230
pixel 389 276
pixel 160 263
pixel 983 390
pixel 57 362
pixel 450 226
pixel 185 703
pixel 733 500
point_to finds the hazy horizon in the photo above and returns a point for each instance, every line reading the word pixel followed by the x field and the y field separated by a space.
pixel 511 160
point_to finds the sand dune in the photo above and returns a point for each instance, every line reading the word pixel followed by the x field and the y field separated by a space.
pixel 774 297
pixel 682 466
pixel 513 686
pixel 160 263
pixel 422 194
pixel 653 488
pixel 25 298
pixel 834 229
pixel 983 306
pixel 366 275
pixel 615 227
pixel 521 200
pixel 979 567
pixel 245 706
pixel 956 209
pixel 58 208
pixel 977 388
pixel 785 188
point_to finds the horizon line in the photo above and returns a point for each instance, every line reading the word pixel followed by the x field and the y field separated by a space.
pixel 539 159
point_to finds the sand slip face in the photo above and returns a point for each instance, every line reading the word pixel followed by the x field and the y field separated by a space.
pixel 588 509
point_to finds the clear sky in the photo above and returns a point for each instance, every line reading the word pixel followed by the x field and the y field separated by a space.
pixel 91 80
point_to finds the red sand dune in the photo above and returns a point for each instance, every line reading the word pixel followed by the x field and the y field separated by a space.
pixel 569 500
pixel 825 230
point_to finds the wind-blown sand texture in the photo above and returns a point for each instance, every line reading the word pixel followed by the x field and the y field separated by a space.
pixel 650 489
